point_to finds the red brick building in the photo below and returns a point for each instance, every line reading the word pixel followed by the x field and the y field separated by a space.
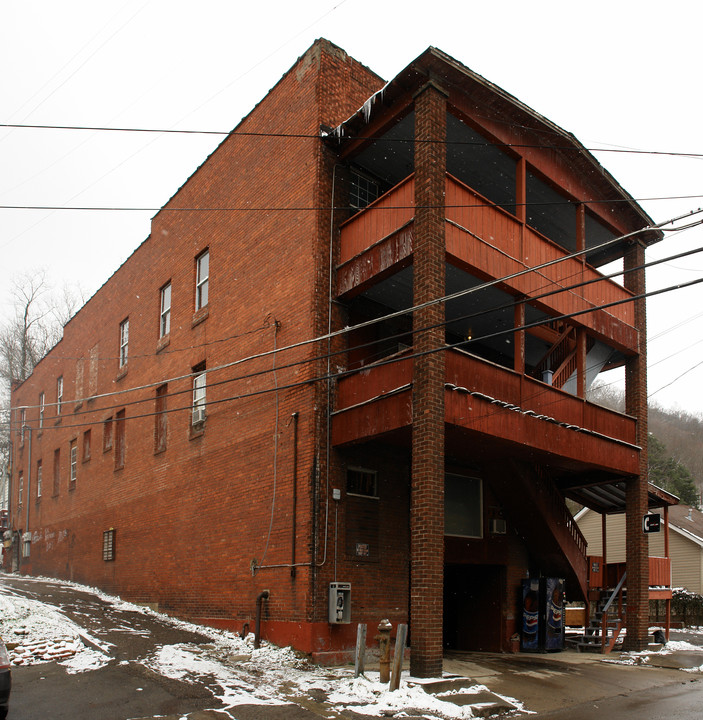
pixel 250 401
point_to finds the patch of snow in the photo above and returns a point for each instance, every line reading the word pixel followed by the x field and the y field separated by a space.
pixel 228 665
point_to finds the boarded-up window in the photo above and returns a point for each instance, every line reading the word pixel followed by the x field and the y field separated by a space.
pixel 160 419
pixel 119 439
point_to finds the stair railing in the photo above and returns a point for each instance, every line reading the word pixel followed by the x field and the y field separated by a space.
pixel 617 593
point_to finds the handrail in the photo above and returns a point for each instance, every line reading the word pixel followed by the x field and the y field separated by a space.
pixel 615 593
pixel 604 617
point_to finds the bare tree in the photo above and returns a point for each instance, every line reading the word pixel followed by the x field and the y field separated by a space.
pixel 35 326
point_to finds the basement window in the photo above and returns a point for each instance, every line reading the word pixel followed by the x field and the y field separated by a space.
pixel 109 544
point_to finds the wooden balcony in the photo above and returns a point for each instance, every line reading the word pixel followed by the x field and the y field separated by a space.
pixel 486 241
pixel 491 402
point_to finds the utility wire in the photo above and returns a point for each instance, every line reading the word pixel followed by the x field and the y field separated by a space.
pixel 347 372
pixel 406 311
pixel 317 136
pixel 323 208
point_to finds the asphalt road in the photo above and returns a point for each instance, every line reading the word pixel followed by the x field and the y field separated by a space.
pixel 682 701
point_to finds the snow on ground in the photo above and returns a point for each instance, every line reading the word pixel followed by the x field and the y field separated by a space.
pixel 236 672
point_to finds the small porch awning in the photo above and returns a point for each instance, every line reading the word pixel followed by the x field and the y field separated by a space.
pixel 609 499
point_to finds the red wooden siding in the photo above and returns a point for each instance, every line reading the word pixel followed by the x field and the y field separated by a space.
pixel 379 220
pixel 485 237
pixel 365 406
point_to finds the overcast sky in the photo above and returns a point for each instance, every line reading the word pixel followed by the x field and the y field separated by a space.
pixel 617 74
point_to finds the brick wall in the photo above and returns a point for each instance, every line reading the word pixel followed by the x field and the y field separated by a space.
pixel 190 520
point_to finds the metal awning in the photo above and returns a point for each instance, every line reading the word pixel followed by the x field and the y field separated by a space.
pixel 610 498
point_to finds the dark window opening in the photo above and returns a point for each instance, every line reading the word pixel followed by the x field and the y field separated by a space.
pixel 119 439
pixel 109 544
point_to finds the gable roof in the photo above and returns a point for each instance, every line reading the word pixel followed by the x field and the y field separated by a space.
pixel 687 521
pixel 438 67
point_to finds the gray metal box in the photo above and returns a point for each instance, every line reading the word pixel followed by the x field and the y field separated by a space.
pixel 340 603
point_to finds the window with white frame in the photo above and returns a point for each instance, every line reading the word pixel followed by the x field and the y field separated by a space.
pixel 124 342
pixel 165 317
pixel 59 394
pixel 202 279
pixel 363 190
pixel 57 471
pixel 39 478
pixel 199 396
pixel 74 465
pixel 41 410
pixel 23 423
pixel 20 490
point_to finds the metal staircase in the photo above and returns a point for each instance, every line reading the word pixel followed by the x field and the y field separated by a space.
pixel 602 634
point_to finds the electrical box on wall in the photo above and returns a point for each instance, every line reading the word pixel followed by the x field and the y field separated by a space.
pixel 340 603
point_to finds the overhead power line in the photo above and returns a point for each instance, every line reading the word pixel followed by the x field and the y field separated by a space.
pixel 317 136
pixel 344 373
pixel 327 208
pixel 435 301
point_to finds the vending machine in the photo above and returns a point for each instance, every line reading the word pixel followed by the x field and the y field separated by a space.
pixel 542 615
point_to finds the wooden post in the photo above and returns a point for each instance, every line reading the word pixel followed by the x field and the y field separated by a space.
pixel 398 656
pixel 667 602
pixel 360 650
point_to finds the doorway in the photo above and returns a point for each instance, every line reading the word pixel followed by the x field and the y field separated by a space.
pixel 473 601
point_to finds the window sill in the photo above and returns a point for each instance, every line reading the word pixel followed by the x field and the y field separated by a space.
pixel 86 459
pixel 159 451
pixel 200 315
pixel 77 406
pixel 122 372
pixel 163 343
pixel 197 430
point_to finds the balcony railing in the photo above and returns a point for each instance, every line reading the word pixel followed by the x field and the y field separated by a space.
pixel 498 244
pixel 379 220
pixel 468 373
pixel 489 239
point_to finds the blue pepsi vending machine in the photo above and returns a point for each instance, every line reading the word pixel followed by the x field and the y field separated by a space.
pixel 542 615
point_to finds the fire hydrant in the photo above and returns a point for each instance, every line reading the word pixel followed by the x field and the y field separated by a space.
pixel 384 650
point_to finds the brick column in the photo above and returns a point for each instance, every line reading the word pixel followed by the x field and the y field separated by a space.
pixel 427 497
pixel 636 500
